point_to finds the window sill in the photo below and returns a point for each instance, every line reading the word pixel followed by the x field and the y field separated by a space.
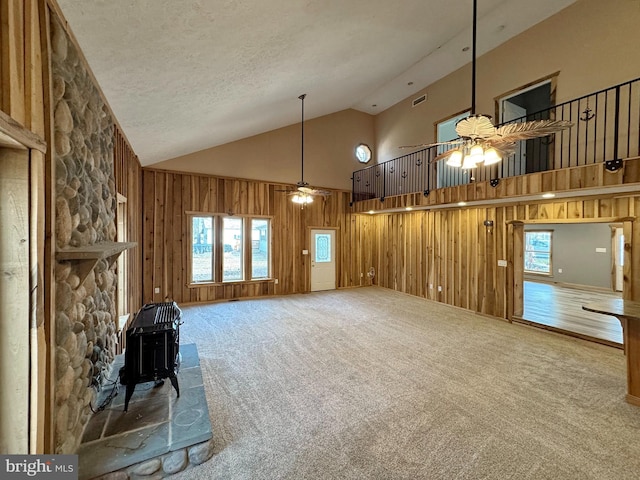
pixel 235 282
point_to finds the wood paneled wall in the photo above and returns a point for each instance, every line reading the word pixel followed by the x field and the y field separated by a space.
pixel 450 256
pixel 128 177
pixel 168 195
pixel 22 93
pixel 22 97
pixel 572 179
pixel 445 255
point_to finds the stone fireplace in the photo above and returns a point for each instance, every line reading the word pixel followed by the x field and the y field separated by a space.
pixel 85 209
pixel 175 432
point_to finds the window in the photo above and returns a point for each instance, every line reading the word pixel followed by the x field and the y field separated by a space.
pixel 202 249
pixel 446 130
pixel 123 264
pixel 229 249
pixel 537 251
pixel 323 248
pixel 363 153
pixel 259 248
pixel 232 257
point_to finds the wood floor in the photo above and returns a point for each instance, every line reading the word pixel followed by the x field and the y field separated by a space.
pixel 559 308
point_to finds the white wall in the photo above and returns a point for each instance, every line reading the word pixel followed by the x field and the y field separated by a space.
pixel 574 252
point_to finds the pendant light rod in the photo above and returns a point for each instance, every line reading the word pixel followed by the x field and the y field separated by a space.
pixel 302 97
pixel 473 53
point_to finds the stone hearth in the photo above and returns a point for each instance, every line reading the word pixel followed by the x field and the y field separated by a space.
pixel 160 435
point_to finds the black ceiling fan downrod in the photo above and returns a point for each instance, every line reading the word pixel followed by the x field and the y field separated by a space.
pixel 473 54
pixel 302 184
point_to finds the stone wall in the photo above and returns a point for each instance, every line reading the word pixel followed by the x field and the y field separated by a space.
pixel 85 206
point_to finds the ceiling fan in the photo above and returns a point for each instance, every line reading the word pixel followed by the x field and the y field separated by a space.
pixel 479 141
pixel 303 194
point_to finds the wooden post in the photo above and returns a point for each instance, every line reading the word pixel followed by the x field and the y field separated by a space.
pixel 14 301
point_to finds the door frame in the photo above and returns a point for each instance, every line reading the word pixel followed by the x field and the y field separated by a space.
pixel 617 275
pixel 515 257
pixel 14 136
pixel 552 79
pixel 308 255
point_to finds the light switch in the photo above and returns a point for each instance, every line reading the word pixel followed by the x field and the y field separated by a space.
pixel 305 252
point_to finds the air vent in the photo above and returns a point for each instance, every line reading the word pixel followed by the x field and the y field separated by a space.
pixel 419 100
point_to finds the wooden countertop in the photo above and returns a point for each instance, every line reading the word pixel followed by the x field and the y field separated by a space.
pixel 617 307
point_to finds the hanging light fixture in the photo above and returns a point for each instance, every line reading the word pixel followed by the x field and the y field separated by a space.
pixel 302 198
pixel 474 150
pixel 479 141
pixel 303 194
pixel 469 156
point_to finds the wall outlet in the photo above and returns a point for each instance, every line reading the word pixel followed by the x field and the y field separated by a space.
pixel 431 286
pixel 559 270
pixel 361 274
pixel 601 250
pixel 305 252
pixel 502 263
pixel 276 281
pixel 156 290
pixel 439 288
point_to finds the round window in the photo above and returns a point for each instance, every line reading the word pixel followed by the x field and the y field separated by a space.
pixel 363 153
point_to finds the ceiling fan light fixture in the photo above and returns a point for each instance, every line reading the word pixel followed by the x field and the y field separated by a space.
pixel 302 199
pixel 468 162
pixel 455 159
pixel 491 156
pixel 476 153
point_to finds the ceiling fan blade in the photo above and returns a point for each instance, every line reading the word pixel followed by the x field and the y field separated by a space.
pixel 504 150
pixel 313 191
pixel 456 141
pixel 514 132
pixel 442 156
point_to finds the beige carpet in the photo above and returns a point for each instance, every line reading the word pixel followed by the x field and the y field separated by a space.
pixel 373 384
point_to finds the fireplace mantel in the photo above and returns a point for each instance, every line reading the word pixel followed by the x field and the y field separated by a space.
pixel 87 257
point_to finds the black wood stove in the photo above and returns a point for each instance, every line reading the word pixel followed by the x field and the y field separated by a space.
pixel 153 349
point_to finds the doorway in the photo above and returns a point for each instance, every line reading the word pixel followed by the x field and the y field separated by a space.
pixel 323 260
pixel 584 255
pixel 527 103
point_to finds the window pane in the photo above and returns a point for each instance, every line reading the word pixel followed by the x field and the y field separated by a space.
pixel 202 249
pixel 537 252
pixel 323 248
pixel 538 241
pixel 259 248
pixel 232 249
pixel 537 262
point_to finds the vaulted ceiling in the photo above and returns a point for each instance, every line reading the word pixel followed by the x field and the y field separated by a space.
pixel 182 76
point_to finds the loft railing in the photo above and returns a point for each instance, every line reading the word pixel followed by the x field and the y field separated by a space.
pixel 606 128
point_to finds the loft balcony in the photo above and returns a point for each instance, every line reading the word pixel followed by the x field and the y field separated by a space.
pixel 599 154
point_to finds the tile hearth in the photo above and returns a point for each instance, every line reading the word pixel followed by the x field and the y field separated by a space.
pixel 158 422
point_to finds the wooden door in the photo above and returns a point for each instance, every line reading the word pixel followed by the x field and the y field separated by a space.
pixel 323 260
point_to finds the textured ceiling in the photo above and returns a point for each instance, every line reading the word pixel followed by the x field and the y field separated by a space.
pixel 182 76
